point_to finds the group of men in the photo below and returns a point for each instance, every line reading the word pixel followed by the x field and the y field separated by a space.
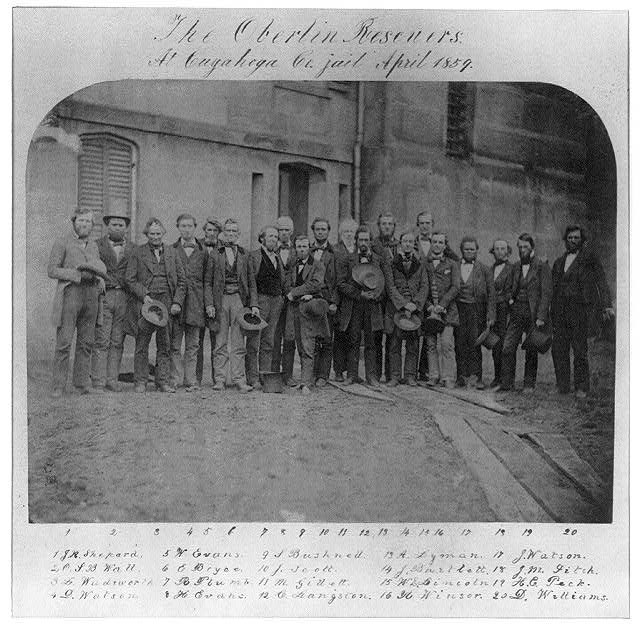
pixel 309 296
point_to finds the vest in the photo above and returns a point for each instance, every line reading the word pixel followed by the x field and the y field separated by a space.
pixel 268 278
pixel 465 295
pixel 159 282
pixel 231 275
pixel 523 292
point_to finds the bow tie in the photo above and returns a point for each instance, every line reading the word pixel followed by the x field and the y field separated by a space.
pixel 464 262
pixel 209 244
pixel 190 245
pixel 157 248
pixel 408 257
pixel 116 243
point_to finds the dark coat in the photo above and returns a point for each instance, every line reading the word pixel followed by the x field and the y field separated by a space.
pixel 255 260
pixel 484 291
pixel 328 259
pixel 291 260
pixel 214 281
pixel 445 279
pixel 503 283
pixel 313 281
pixel 407 286
pixel 350 292
pixel 195 267
pixel 539 287
pixel 448 252
pixel 385 248
pixel 116 269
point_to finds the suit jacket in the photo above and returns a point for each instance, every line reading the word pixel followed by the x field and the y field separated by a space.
pixel 448 252
pixel 116 269
pixel 484 292
pixel 313 282
pixel 539 287
pixel 445 280
pixel 328 259
pixel 255 260
pixel 291 260
pixel 386 248
pixel 503 283
pixel 140 273
pixel 195 267
pixel 214 281
pixel 350 292
pixel 408 286
pixel 584 281
pixel 66 254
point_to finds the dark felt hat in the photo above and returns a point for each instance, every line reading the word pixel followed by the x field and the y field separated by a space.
pixel 272 382
pixel 407 321
pixel 315 308
pixel 156 313
pixel 96 267
pixel 538 340
pixel 488 339
pixel 368 276
pixel 249 321
pixel 433 324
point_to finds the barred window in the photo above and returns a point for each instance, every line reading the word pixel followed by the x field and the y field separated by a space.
pixel 460 112
pixel 105 175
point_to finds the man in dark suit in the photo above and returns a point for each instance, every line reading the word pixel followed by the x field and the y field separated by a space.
pixel 476 309
pixel 502 280
pixel 305 283
pixel 408 289
pixel 361 310
pixel 230 285
pixel 191 319
pixel 115 251
pixel 284 349
pixel 322 251
pixel 154 272
pixel 271 284
pixel 530 297
pixel 580 292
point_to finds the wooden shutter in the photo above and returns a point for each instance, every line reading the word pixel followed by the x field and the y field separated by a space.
pixel 460 112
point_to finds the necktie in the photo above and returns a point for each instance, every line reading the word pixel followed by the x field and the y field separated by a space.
pixel 231 255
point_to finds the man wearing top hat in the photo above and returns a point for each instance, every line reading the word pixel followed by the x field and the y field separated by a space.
pixel 476 301
pixel 284 349
pixel 115 251
pixel 531 290
pixel 361 308
pixel 191 319
pixel 75 308
pixel 323 251
pixel 211 228
pixel 230 286
pixel 408 289
pixel 271 284
pixel 155 272
pixel 580 296
pixel 444 284
pixel 502 280
pixel 306 280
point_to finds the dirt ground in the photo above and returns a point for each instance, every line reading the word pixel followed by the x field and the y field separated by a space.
pixel 223 456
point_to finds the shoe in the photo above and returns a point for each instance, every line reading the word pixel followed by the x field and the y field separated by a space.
pixel 347 381
pixel 423 377
pixel 392 382
pixel 304 390
pixel 448 384
pixel 56 393
pixel 166 388
pixel 219 386
pixel 461 382
pixel 581 394
pixel 504 388
pixel 291 382
pixel 85 390
pixel 339 378
pixel 480 386
pixel 411 382
pixel 471 382
pixel 494 383
pixel 113 387
pixel 374 383
pixel 257 386
pixel 321 382
pixel 528 389
pixel 243 388
pixel 192 388
pixel 140 388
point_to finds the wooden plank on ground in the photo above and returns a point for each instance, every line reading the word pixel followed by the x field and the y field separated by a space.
pixel 558 448
pixel 360 390
pixel 553 490
pixel 508 500
pixel 480 399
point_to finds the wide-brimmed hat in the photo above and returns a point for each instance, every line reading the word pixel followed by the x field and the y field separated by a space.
pixel 315 308
pixel 96 267
pixel 538 340
pixel 156 313
pixel 433 324
pixel 249 321
pixel 407 321
pixel 488 339
pixel 272 382
pixel 368 276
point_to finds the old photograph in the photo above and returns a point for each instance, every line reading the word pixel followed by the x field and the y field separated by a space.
pixel 321 301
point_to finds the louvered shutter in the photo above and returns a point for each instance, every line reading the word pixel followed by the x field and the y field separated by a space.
pixel 104 175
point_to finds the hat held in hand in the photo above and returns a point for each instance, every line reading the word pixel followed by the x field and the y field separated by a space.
pixel 249 321
pixel 96 267
pixel 407 321
pixel 156 313
pixel 537 340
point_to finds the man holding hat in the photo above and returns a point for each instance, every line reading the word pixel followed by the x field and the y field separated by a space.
pixel 155 273
pixel 408 289
pixel 115 251
pixel 531 290
pixel 284 349
pixel 211 228
pixel 360 307
pixel 76 301
pixel 271 284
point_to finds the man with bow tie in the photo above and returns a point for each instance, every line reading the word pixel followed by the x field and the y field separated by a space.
pixel 75 307
pixel 115 251
pixel 305 283
pixel 230 286
pixel 531 289
pixel 155 272
pixel 502 280
pixel 188 323
pixel 211 228
pixel 272 286
pixel 580 297
pixel 323 252
pixel 284 349
pixel 361 309
pixel 408 289
pixel 476 301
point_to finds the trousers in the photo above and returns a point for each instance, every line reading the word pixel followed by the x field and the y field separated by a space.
pixel 468 355
pixel 146 330
pixel 442 361
pixel 412 341
pixel 360 323
pixel 230 350
pixel 185 367
pixel 260 343
pixel 109 339
pixel 519 323
pixel 570 332
pixel 200 357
